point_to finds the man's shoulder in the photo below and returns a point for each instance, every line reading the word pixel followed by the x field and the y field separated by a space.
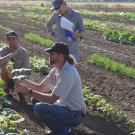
pixel 4 50
pixel 76 12
pixel 69 69
pixel 23 49
pixel 55 15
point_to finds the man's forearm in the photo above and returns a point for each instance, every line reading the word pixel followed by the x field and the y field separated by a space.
pixel 31 85
pixel 48 26
pixel 35 86
pixel 48 98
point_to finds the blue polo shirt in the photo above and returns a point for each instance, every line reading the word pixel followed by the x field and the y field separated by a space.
pixel 66 84
pixel 60 35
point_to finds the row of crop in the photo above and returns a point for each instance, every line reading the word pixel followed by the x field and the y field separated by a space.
pixel 26 9
pixel 35 9
pixel 114 32
pixel 113 65
pixel 113 16
pixel 99 103
pixel 120 37
pixel 9 119
pixel 38 39
pixel 105 26
pixel 7 11
pixel 5 28
pixel 36 20
pixel 36 17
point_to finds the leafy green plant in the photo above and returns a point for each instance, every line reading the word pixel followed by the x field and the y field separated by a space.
pixel 2 45
pixel 4 11
pixel 5 28
pixel 112 36
pixel 98 103
pixel 39 65
pixel 9 119
pixel 120 37
pixel 112 65
pixel 38 39
pixel 2 93
pixel 132 39
pixel 95 25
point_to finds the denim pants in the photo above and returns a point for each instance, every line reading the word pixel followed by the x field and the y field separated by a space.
pixel 75 54
pixel 60 119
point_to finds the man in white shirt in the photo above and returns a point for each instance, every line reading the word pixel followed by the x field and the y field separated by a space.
pixel 64 107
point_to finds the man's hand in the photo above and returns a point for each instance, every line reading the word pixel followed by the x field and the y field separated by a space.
pixel 11 75
pixel 77 35
pixel 51 32
pixel 22 88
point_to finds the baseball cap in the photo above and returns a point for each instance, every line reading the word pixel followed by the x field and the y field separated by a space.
pixel 59 47
pixel 11 34
pixel 56 4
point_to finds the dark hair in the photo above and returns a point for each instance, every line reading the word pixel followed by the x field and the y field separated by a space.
pixel 70 59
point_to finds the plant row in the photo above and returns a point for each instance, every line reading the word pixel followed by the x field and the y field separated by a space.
pixel 5 28
pixel 113 65
pixel 100 104
pixel 35 19
pixel 120 37
pixel 38 39
pixel 105 26
pixel 113 16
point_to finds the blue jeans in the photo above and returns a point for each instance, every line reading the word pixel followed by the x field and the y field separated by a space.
pixel 57 117
pixel 75 54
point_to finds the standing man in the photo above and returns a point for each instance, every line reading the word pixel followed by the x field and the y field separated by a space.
pixel 64 107
pixel 61 9
pixel 20 58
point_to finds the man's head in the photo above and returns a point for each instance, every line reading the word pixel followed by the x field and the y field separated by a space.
pixel 58 53
pixel 60 6
pixel 12 38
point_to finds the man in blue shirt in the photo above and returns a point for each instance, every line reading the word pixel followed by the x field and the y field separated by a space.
pixel 64 107
pixel 60 34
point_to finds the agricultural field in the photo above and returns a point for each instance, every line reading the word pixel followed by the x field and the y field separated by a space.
pixel 106 62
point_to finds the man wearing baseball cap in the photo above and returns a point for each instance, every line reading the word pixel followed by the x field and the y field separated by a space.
pixel 20 58
pixel 64 107
pixel 56 4
pixel 60 34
